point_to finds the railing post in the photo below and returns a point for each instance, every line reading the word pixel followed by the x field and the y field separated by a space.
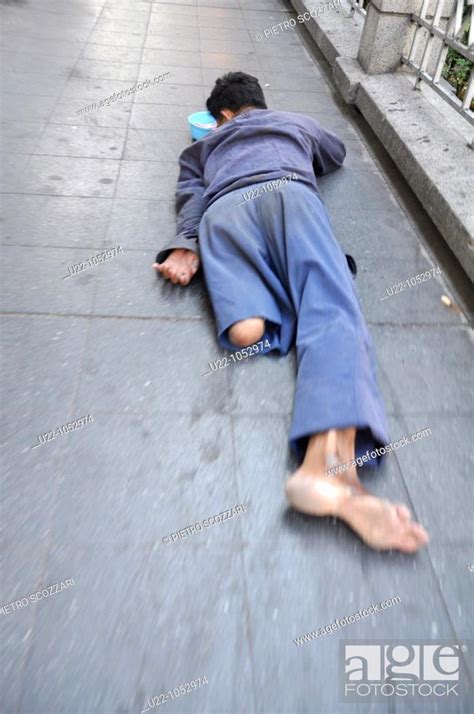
pixel 386 35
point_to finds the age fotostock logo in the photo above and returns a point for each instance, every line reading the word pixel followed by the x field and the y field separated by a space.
pixel 400 669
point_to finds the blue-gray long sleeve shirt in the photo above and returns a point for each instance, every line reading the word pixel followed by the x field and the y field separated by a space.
pixel 257 145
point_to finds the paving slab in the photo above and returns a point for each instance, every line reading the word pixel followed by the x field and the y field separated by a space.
pixel 171 446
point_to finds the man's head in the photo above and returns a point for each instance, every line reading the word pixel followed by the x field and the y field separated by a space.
pixel 232 93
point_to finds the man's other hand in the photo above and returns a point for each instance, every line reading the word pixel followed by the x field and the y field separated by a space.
pixel 180 266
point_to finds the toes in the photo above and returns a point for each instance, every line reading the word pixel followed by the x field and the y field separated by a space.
pixel 409 545
pixel 420 533
pixel 403 512
pixel 413 539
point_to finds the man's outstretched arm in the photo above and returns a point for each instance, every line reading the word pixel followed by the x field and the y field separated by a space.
pixel 328 150
pixel 179 260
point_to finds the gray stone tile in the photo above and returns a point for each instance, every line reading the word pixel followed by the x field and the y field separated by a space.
pixel 227 45
pixel 98 69
pixel 139 224
pixel 182 2
pixel 303 102
pixel 218 22
pixel 358 155
pixel 116 114
pixel 20 137
pixel 138 382
pixel 56 46
pixel 156 416
pixel 62 673
pixel 308 81
pixel 336 121
pixel 263 464
pixel 168 117
pixel 153 180
pixel 21 572
pixel 281 611
pixel 171 58
pixel 225 33
pixel 133 511
pixel 266 17
pixel 424 464
pixel 174 9
pixel 93 89
pixel 394 235
pixel 217 60
pixel 31 65
pixel 33 386
pixel 151 146
pixel 135 24
pixel 29 480
pixel 173 15
pixel 129 285
pixel 420 303
pixel 276 6
pixel 69 176
pixel 175 94
pixel 214 10
pixel 125 12
pixel 225 4
pixel 291 48
pixel 171 42
pixel 178 75
pixel 418 360
pixel 174 27
pixel 118 39
pixel 355 189
pixel 222 612
pixel 251 384
pixel 31 108
pixel 13 174
pixel 45 290
pixel 109 53
pixel 291 63
pixel 21 84
pixel 86 141
pixel 40 220
pixel 451 563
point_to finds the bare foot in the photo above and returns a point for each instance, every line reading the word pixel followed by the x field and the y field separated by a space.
pixel 180 266
pixel 381 524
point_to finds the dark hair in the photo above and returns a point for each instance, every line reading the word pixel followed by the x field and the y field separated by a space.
pixel 233 91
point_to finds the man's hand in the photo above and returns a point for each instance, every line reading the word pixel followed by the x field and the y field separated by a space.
pixel 180 266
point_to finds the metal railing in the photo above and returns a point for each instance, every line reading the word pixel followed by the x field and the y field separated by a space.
pixel 358 6
pixel 440 34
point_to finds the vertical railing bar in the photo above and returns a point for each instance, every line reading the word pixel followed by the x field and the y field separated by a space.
pixel 424 9
pixel 441 61
pixel 427 53
pixel 469 96
pixel 437 13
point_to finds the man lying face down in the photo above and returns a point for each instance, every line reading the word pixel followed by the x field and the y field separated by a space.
pixel 248 204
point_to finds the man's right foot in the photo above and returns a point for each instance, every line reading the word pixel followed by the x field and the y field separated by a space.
pixel 379 523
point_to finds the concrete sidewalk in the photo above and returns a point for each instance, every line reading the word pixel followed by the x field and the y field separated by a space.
pixel 168 448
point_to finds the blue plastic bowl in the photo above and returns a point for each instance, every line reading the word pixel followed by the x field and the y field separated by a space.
pixel 201 124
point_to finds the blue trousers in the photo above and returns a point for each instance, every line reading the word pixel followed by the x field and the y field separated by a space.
pixel 276 257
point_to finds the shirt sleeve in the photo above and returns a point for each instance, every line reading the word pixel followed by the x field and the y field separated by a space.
pixel 190 202
pixel 328 150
